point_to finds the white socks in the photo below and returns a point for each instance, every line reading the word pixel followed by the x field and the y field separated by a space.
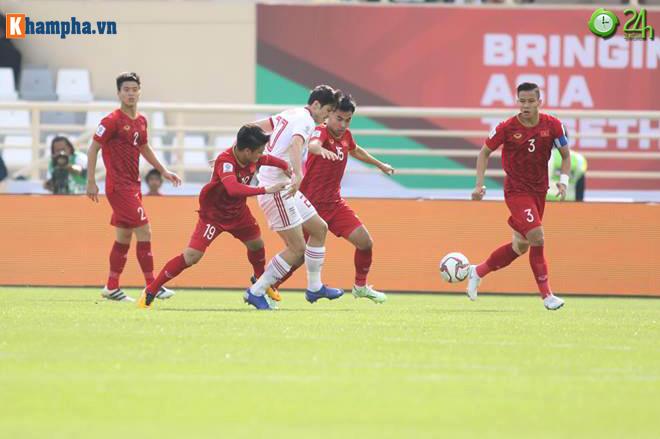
pixel 277 268
pixel 314 257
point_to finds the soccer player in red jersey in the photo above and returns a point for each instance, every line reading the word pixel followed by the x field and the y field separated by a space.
pixel 528 139
pixel 222 208
pixel 321 185
pixel 122 137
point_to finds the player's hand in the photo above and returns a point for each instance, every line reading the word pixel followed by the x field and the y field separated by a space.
pixel 294 186
pixel 561 191
pixel 387 169
pixel 275 188
pixel 287 172
pixel 478 193
pixel 171 176
pixel 93 191
pixel 328 155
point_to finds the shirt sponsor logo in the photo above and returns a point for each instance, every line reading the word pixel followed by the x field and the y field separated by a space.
pixel 545 133
pixel 517 136
pixel 127 127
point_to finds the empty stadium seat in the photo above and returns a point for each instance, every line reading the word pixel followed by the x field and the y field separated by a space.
pixel 73 85
pixel 194 157
pixel 7 85
pixel 36 84
pixel 16 157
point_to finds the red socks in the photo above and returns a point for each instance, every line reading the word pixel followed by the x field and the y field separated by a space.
pixel 258 260
pixel 362 261
pixel 500 258
pixel 171 270
pixel 146 260
pixel 117 262
pixel 540 269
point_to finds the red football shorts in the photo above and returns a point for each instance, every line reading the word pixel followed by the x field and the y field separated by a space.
pixel 341 219
pixel 127 209
pixel 526 210
pixel 244 229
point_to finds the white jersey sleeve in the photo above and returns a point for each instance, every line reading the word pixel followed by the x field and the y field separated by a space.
pixel 286 125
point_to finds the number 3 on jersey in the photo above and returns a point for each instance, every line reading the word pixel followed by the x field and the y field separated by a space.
pixel 532 147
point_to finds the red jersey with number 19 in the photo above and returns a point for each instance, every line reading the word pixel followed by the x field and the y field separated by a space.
pixel 322 182
pixel 526 151
pixel 120 138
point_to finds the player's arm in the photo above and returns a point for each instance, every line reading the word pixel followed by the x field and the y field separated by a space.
pixel 236 189
pixel 92 155
pixel 315 147
pixel 562 184
pixel 265 124
pixel 149 155
pixel 269 160
pixel 296 148
pixel 364 156
pixel 482 163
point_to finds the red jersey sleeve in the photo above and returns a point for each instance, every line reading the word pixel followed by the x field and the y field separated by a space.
pixel 105 130
pixel 351 142
pixel 269 160
pixel 145 132
pixel 496 137
pixel 320 133
pixel 236 189
pixel 559 134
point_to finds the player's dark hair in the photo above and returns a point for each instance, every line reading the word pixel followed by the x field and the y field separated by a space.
pixel 324 95
pixel 153 173
pixel 64 139
pixel 252 137
pixel 346 103
pixel 529 86
pixel 126 77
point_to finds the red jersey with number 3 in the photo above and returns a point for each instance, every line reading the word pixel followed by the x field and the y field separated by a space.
pixel 526 151
pixel 322 182
pixel 120 138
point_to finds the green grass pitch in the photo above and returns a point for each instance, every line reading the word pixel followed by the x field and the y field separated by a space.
pixel 204 365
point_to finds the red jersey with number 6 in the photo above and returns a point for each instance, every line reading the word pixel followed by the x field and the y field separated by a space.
pixel 526 151
pixel 120 138
pixel 322 182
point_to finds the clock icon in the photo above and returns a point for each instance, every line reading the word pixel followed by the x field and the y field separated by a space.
pixel 603 23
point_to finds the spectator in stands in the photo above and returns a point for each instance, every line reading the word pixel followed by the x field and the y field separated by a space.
pixel 154 181
pixel 9 55
pixel 67 169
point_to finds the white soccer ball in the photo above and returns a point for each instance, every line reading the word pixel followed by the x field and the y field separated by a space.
pixel 454 267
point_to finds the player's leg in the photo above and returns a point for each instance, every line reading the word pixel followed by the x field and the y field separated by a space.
pixel 317 229
pixel 539 266
pixel 118 256
pixel 524 215
pixel 146 259
pixel 363 243
pixel 204 234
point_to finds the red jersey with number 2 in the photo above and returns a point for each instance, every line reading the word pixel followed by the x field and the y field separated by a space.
pixel 322 182
pixel 120 138
pixel 526 151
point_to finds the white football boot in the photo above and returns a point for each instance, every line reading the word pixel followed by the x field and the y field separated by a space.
pixel 368 292
pixel 164 293
pixel 552 302
pixel 117 295
pixel 473 282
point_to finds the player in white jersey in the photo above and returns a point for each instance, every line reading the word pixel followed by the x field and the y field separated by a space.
pixel 289 211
